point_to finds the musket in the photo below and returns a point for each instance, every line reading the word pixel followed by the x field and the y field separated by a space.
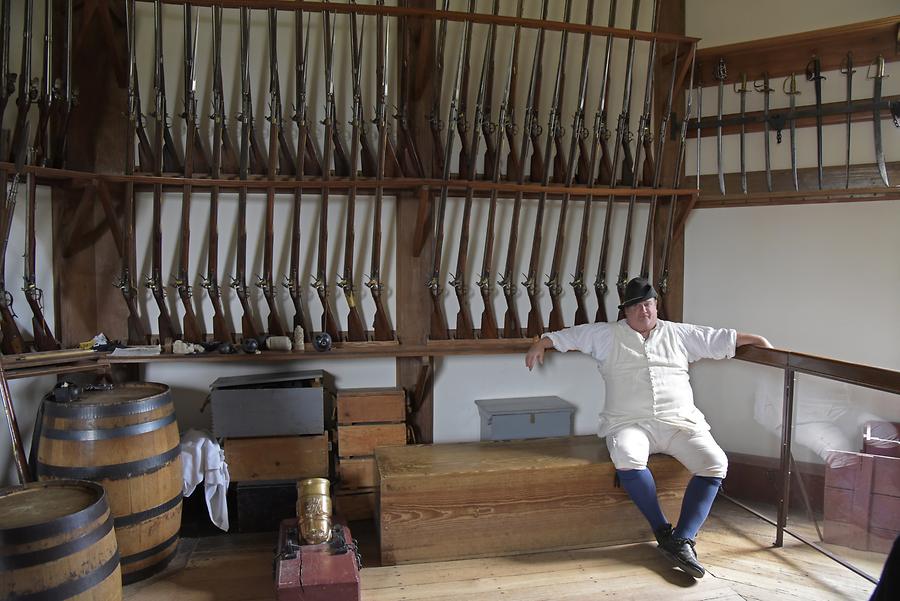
pixel 27 89
pixel 465 154
pixel 533 129
pixel 191 326
pixel 221 331
pixel 790 88
pixel 439 329
pixel 381 325
pixel 43 335
pixel 311 163
pixel 657 174
pixel 137 333
pixel 720 73
pixel 535 321
pixel 434 116
pixel 12 342
pixel 676 181
pixel 876 118
pixel 512 161
pixel 488 317
pixel 600 285
pixel 167 328
pixel 356 329
pixel 742 90
pixel 465 329
pixel 145 148
pixel 814 74
pixel 320 280
pixel 392 162
pixel 765 89
pixel 49 93
pixel 69 94
pixel 267 282
pixel 172 161
pixel 557 322
pixel 511 325
pixel 848 70
pixel 627 156
pixel 7 79
pixel 559 159
pixel 605 175
pixel 259 162
pixel 306 158
pixel 645 136
pixel 194 139
pixel 488 126
pixel 239 281
pixel 406 144
pixel 598 148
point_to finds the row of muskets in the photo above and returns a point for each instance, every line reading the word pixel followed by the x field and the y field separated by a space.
pixel 594 164
pixel 776 120
pixel 55 97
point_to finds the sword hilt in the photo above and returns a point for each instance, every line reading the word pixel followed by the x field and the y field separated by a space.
pixel 720 71
pixel 878 63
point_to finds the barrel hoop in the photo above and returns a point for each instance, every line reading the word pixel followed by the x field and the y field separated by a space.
pixel 73 521
pixel 107 433
pixel 135 557
pixel 33 558
pixel 135 576
pixel 77 410
pixel 117 471
pixel 140 516
pixel 75 587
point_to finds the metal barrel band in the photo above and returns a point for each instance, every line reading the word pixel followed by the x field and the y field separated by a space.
pixel 111 472
pixel 106 434
pixel 75 587
pixel 136 557
pixel 96 411
pixel 150 570
pixel 73 521
pixel 140 516
pixel 33 558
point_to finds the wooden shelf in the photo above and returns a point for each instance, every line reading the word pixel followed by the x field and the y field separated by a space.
pixel 780 56
pixel 51 363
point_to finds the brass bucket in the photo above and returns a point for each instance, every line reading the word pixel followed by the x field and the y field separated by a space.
pixel 314 510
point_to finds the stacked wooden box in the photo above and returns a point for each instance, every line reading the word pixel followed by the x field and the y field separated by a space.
pixel 366 418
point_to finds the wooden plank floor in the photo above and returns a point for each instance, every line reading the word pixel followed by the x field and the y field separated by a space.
pixel 735 547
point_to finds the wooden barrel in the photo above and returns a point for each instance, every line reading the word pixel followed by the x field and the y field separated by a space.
pixel 57 542
pixel 127 440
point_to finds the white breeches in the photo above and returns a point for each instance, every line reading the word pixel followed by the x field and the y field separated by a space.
pixel 630 446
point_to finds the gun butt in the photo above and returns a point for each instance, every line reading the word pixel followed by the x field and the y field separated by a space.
pixel 537 163
pixel 606 170
pixel 248 329
pixel 136 333
pixel 535 321
pixel 439 330
pixel 601 309
pixel 465 329
pixel 581 316
pixel 488 321
pixel 511 326
pixel 356 329
pixel 221 332
pixel 556 318
pixel 381 324
pixel 276 328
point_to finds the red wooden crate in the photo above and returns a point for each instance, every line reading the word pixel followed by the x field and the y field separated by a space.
pixel 315 572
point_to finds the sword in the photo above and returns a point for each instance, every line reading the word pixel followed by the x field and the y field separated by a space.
pixel 720 73
pixel 848 70
pixel 814 74
pixel 765 89
pixel 743 92
pixel 790 88
pixel 876 117
pixel 699 114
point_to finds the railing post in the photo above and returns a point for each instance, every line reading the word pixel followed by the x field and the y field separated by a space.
pixel 787 427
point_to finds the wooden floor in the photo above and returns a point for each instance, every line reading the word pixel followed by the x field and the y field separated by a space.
pixel 735 547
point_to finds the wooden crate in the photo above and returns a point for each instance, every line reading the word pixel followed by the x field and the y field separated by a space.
pixel 357 472
pixel 371 405
pixel 484 499
pixel 277 457
pixel 862 501
pixel 353 505
pixel 354 441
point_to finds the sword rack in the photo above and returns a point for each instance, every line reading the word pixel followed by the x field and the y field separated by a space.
pixel 793 66
pixel 158 166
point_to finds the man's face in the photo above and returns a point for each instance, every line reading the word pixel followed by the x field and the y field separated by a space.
pixel 641 317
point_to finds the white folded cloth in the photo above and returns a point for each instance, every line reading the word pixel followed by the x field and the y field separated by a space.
pixel 203 460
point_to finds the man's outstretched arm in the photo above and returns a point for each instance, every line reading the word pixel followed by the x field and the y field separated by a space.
pixel 535 354
pixel 744 339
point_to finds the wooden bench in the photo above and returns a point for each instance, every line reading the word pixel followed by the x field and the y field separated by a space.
pixel 484 499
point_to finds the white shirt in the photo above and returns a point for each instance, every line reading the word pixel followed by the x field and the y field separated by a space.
pixel 647 379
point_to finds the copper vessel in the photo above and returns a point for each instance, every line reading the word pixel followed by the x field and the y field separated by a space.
pixel 314 510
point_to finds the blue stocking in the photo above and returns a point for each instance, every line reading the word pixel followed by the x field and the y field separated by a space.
pixel 641 488
pixel 698 500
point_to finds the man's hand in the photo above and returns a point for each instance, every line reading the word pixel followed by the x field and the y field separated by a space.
pixel 754 339
pixel 535 354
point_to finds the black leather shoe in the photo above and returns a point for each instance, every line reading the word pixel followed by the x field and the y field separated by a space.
pixel 663 533
pixel 680 552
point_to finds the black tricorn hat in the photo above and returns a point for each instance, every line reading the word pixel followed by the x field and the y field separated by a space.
pixel 637 291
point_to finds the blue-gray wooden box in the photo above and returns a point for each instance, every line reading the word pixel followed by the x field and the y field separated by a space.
pixel 279 404
pixel 529 417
